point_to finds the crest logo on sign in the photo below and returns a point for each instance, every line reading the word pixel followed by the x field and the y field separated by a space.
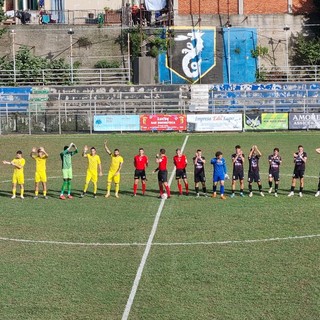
pixel 193 53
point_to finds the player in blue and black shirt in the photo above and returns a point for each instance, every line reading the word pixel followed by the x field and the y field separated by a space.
pixel 300 159
pixel 254 173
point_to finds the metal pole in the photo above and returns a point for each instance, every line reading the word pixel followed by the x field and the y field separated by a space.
pixel 286 29
pixel 229 56
pixel 71 32
pixel 129 59
pixel 29 121
pixel 59 114
pixel 14 57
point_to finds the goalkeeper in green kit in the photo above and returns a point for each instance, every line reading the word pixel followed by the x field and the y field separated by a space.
pixel 65 156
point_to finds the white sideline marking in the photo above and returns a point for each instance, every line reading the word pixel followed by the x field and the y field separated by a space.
pixel 135 285
pixel 163 244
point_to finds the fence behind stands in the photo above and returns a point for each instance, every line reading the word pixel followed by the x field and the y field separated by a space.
pixel 47 110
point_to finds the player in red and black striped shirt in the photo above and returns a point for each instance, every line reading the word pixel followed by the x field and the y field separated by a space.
pixel 140 162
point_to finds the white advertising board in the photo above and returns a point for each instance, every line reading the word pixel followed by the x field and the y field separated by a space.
pixel 214 122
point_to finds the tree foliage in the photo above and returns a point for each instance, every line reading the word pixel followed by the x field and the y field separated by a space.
pixel 306 50
pixel 31 67
pixel 143 41
pixel 2 15
pixel 105 64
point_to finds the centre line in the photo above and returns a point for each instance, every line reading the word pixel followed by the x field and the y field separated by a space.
pixel 147 249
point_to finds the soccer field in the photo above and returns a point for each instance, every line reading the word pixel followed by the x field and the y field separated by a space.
pixel 145 258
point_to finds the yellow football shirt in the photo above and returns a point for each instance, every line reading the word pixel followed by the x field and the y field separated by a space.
pixel 115 163
pixel 93 162
pixel 41 163
pixel 20 162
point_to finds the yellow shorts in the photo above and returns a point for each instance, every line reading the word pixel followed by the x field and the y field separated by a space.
pixel 91 176
pixel 18 178
pixel 40 177
pixel 113 177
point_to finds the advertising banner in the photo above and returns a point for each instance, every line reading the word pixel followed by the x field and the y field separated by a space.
pixel 116 123
pixel 266 121
pixel 304 121
pixel 163 122
pixel 214 122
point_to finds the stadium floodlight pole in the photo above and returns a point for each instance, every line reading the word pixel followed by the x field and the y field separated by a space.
pixel 70 33
pixel 286 29
pixel 14 56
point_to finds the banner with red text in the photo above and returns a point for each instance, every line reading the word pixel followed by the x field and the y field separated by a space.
pixel 163 122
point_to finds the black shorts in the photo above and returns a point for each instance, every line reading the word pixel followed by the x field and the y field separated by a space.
pixel 275 175
pixel 254 176
pixel 298 173
pixel 140 174
pixel 163 176
pixel 181 174
pixel 238 175
pixel 199 177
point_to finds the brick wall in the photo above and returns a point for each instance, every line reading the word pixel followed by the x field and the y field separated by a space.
pixel 208 6
pixel 249 6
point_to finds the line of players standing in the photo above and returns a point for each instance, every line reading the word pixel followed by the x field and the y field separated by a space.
pixel 220 172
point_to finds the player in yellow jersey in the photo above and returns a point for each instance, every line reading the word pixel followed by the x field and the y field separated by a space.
pixel 18 175
pixel 40 156
pixel 94 163
pixel 114 170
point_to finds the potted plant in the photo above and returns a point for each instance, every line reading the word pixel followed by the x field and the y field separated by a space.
pixel 111 16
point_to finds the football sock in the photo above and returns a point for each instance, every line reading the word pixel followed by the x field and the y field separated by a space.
pixel 144 187
pixel 116 187
pixel 250 187
pixel 64 184
pixel 168 190
pixel 292 188
pixel 14 191
pixel 241 190
pixel 197 189
pixel 260 187
pixel 301 189
pixel 204 189
pixel 180 188
pixel 221 190
pixel 270 184
pixel 319 185
pixel 135 187
pixel 276 186
pixel 161 189
pixel 44 193
pixel 187 187
pixel 69 186
pixel 214 188
pixel 36 193
pixel 95 187
pixel 85 187
pixel 108 186
pixel 21 192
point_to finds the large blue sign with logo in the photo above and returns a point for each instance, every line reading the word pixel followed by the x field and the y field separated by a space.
pixel 190 56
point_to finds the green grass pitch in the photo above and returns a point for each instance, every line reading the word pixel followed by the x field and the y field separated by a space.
pixel 243 258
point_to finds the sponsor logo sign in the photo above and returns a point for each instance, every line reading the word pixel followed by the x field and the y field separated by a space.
pixel 163 122
pixel 304 121
pixel 116 123
pixel 214 122
pixel 266 121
